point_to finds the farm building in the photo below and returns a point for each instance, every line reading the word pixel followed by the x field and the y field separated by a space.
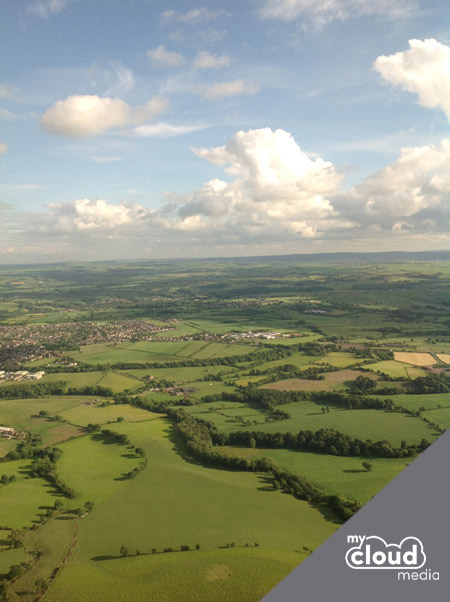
pixel 7 432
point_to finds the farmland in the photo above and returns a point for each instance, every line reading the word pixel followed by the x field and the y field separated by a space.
pixel 195 419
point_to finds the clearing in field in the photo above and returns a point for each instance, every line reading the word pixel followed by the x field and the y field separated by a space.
pixel 417 359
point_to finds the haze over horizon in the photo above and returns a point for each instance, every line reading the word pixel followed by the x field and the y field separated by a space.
pixel 155 129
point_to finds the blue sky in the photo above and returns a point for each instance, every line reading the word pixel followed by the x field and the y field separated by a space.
pixel 147 129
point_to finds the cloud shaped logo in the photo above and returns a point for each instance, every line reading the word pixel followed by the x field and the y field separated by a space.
pixel 374 553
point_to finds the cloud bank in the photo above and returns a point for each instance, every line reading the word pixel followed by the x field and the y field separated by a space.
pixel 271 196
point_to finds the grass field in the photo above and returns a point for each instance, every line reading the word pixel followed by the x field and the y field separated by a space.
pixel 414 402
pixel 440 417
pixel 6 445
pixel 306 415
pixel 18 412
pixel 339 359
pixel 333 474
pixel 154 351
pixel 181 374
pixel 396 369
pixel 83 415
pixel 246 574
pixel 206 506
pixel 94 469
pixel 10 557
pixel 24 500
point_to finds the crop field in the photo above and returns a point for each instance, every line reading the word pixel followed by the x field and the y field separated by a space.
pixel 417 359
pixel 444 357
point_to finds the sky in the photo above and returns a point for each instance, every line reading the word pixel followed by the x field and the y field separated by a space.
pixel 155 128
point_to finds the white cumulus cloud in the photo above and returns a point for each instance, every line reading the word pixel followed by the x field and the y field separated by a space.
pixel 274 184
pixel 166 58
pixel 412 194
pixel 82 116
pixel 424 70
pixel 227 89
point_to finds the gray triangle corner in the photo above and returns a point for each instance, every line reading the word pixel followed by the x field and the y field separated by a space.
pixel 414 509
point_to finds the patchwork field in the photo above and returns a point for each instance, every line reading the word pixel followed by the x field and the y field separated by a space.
pixel 125 507
pixel 157 351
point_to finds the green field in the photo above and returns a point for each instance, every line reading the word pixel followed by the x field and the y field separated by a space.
pixel 84 414
pixel 210 507
pixel 186 577
pixel 441 417
pixel 22 413
pixel 415 402
pixel 396 369
pixel 334 474
pixel 306 415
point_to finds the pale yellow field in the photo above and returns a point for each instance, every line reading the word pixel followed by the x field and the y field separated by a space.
pixel 417 359
pixel 444 357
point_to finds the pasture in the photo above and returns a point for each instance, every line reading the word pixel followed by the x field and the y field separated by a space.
pixel 307 415
pixel 333 474
pixel 219 575
pixel 361 424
